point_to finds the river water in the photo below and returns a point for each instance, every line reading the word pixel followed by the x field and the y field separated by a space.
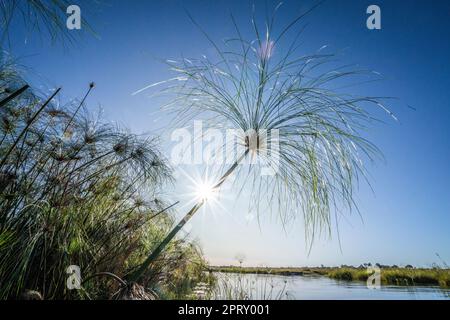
pixel 253 286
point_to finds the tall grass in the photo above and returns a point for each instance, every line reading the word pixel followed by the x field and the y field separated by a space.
pixel 397 276
pixel 76 190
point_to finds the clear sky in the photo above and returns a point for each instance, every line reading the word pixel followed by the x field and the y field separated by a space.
pixel 406 220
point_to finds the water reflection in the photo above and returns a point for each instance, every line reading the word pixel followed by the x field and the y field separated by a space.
pixel 253 286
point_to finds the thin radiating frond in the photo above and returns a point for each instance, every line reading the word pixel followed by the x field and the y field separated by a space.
pixel 268 83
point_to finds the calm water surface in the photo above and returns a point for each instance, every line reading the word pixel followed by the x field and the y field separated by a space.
pixel 318 287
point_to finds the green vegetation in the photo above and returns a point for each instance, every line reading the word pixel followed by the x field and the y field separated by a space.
pixel 389 275
pixel 76 190
pixel 397 276
pixel 267 270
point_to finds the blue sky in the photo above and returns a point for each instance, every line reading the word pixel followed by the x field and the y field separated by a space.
pixel 405 221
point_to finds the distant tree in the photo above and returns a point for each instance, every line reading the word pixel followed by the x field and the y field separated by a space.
pixel 240 257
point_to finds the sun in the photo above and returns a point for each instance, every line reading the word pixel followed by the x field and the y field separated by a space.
pixel 205 191
pixel 203 188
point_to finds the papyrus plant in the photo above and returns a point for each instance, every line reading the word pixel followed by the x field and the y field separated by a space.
pixel 266 82
pixel 77 190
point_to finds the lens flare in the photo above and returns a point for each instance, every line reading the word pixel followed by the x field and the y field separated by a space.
pixel 202 187
pixel 205 191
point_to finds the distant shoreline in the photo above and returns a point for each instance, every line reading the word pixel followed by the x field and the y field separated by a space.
pixel 286 271
pixel 392 275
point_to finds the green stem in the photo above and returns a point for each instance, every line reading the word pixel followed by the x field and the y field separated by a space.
pixel 27 127
pixel 13 95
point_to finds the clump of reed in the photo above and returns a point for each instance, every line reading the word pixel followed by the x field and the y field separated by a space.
pixel 76 190
pixel 397 276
